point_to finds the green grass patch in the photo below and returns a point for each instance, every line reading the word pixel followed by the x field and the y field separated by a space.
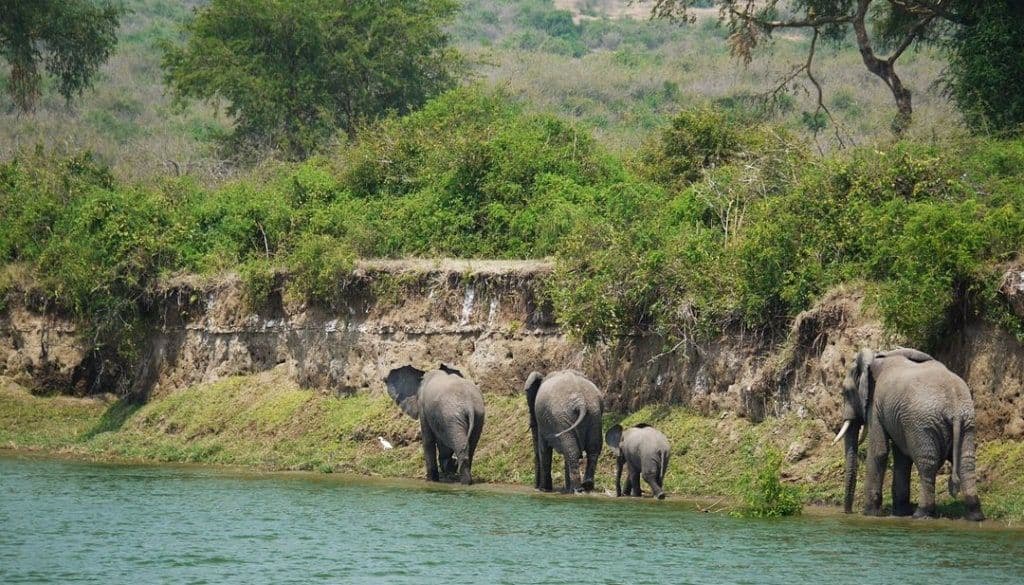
pixel 265 421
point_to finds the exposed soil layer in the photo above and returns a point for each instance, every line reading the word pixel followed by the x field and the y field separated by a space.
pixel 488 318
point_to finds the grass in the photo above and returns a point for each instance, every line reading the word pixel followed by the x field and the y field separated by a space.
pixel 266 422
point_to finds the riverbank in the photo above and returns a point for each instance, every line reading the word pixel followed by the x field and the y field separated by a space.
pixel 265 422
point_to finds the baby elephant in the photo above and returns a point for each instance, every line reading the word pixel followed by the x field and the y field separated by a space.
pixel 646 451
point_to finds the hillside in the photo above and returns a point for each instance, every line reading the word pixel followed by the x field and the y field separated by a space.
pixel 618 78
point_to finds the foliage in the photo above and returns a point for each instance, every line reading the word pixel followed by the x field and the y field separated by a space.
pixel 293 73
pixel 986 67
pixel 71 39
pixel 755 241
pixel 761 490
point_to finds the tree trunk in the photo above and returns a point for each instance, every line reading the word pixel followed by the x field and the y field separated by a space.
pixel 883 69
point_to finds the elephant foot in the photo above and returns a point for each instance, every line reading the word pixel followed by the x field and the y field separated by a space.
pixel 660 496
pixel 902 509
pixel 872 511
pixel 974 513
pixel 924 512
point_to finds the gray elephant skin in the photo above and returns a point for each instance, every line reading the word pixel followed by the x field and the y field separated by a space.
pixel 565 416
pixel 450 409
pixel 909 403
pixel 644 451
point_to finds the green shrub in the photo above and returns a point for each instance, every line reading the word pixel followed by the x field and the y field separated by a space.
pixel 319 265
pixel 762 493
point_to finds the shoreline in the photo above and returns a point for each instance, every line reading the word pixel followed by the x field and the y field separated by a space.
pixel 675 501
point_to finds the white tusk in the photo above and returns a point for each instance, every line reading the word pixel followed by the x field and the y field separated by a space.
pixel 842 431
pixel 863 434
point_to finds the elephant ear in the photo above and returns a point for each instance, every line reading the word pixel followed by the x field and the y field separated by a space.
pixel 404 387
pixel 533 382
pixel 865 385
pixel 613 437
pixel 911 354
pixel 444 368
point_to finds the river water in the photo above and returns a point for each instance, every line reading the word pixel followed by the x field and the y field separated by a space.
pixel 66 522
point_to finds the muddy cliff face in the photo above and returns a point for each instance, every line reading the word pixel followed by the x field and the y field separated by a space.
pixel 488 319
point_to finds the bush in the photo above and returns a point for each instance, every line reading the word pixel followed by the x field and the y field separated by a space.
pixel 762 493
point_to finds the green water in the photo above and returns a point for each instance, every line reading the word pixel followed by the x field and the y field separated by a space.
pixel 63 522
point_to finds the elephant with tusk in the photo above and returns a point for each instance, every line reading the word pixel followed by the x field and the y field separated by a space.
pixel 907 402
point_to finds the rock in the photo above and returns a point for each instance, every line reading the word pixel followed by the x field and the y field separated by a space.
pixel 796 452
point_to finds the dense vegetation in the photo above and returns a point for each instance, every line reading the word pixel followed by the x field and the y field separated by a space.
pixel 720 222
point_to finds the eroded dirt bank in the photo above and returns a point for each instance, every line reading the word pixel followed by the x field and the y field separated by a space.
pixel 488 319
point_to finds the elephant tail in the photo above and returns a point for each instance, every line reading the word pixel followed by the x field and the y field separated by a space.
pixel 664 466
pixel 472 421
pixel 579 419
pixel 954 478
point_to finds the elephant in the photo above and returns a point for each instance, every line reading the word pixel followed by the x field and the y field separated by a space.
pixel 565 415
pixel 450 409
pixel 645 450
pixel 908 402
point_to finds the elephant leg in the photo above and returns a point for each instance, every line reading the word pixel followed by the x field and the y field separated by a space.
pixel 618 475
pixel 590 471
pixel 901 465
pixel 429 451
pixel 877 459
pixel 926 471
pixel 446 464
pixel 593 454
pixel 634 482
pixel 968 478
pixel 474 440
pixel 571 454
pixel 536 458
pixel 544 458
pixel 651 477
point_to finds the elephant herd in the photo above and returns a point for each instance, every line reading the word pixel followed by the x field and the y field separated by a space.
pixel 902 401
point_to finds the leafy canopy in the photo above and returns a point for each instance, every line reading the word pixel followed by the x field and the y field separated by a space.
pixel 294 73
pixel 70 39
pixel 986 67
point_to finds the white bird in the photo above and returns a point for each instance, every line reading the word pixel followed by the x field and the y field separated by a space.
pixel 385 444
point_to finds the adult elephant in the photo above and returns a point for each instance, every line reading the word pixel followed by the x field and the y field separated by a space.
pixel 450 409
pixel 565 416
pixel 907 401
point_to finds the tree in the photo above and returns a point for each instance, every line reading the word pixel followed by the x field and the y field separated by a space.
pixel 877 25
pixel 70 38
pixel 294 73
pixel 986 67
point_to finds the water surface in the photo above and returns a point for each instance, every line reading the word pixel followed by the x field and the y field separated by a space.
pixel 66 522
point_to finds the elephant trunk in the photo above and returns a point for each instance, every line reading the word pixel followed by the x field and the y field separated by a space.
pixel 851 465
